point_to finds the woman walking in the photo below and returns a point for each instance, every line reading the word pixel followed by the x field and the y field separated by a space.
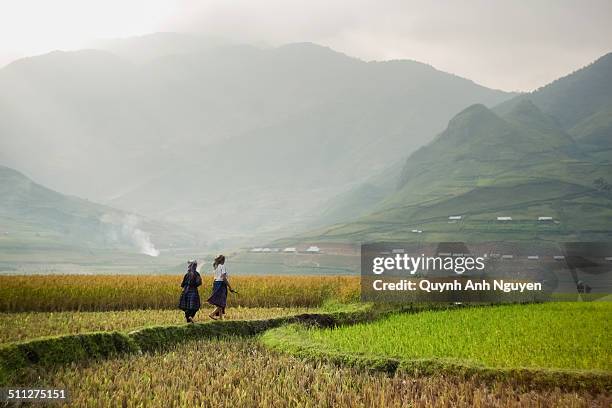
pixel 190 298
pixel 220 287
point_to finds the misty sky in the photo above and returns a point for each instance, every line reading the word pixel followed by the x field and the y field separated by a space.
pixel 511 45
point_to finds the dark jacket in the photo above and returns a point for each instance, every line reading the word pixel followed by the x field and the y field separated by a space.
pixel 190 298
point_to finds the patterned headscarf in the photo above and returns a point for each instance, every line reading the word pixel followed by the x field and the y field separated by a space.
pixel 192 265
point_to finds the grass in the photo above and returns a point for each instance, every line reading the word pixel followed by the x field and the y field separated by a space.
pixel 30 325
pixel 574 336
pixel 104 293
pixel 240 373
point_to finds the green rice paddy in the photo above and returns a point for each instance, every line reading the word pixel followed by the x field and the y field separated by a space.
pixel 553 335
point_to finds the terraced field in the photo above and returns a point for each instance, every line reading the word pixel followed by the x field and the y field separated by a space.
pixel 571 336
pixel 333 354
pixel 240 373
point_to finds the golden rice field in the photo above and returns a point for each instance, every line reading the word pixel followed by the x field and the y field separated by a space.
pixel 30 325
pixel 51 293
pixel 240 373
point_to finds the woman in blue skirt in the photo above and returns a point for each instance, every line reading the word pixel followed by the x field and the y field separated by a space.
pixel 220 287
pixel 190 298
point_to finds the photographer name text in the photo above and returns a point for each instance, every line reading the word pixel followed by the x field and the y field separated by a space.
pixel 429 286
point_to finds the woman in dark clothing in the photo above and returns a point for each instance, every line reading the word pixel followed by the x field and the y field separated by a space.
pixel 190 298
pixel 220 287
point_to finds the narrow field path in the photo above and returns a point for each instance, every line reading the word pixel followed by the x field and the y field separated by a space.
pixel 30 325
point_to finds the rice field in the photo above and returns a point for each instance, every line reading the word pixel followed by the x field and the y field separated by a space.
pixel 552 335
pixel 52 293
pixel 30 325
pixel 240 373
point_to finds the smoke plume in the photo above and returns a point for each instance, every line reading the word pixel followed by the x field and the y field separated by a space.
pixel 126 229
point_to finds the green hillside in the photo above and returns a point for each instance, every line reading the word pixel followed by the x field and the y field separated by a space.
pixel 595 130
pixel 575 97
pixel 484 166
pixel 543 154
pixel 35 219
pixel 580 103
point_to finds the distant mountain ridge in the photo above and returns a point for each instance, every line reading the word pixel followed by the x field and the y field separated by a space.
pixel 232 140
pixel 581 102
pixel 145 48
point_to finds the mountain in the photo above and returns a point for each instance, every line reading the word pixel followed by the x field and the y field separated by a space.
pixel 35 218
pixel 518 159
pixel 231 140
pixel 581 102
pixel 595 130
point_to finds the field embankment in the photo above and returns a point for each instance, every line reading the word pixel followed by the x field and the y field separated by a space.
pixel 51 351
pixel 30 325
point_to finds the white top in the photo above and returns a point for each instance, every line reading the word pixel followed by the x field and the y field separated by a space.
pixel 220 272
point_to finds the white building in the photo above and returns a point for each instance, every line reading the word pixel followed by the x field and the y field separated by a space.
pixel 507 256
pixel 313 249
pixel 558 257
pixel 533 257
pixel 455 217
pixel 290 249
pixel 504 218
pixel 545 218
pixel 266 250
pixel 256 249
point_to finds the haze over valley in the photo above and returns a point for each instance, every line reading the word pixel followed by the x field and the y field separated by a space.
pixel 233 141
